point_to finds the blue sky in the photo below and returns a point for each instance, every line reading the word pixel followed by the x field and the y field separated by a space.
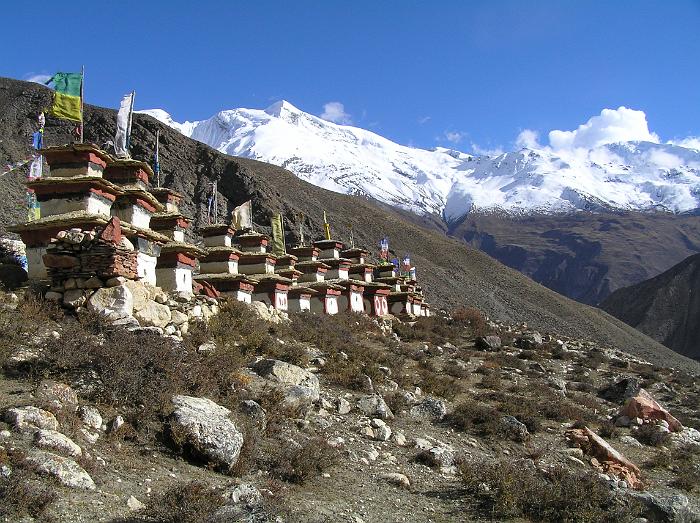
pixel 450 73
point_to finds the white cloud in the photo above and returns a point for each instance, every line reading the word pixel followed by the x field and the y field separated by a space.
pixel 335 112
pixel 612 125
pixel 452 136
pixel 424 119
pixel 483 151
pixel 37 78
pixel 691 142
pixel 529 139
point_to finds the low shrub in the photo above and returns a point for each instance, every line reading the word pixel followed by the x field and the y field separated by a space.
pixel 470 415
pixel 189 502
pixel 511 489
pixel 22 493
pixel 608 430
pixel 649 434
pixel 298 462
pixel 472 318
pixel 685 462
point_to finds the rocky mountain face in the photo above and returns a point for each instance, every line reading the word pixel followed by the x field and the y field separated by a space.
pixel 584 256
pixel 666 307
pixel 581 223
pixel 452 273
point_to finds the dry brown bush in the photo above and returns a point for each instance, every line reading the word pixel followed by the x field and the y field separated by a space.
pixel 685 467
pixel 297 463
pixel 650 435
pixel 472 318
pixel 472 416
pixel 517 489
pixel 188 502
pixel 22 493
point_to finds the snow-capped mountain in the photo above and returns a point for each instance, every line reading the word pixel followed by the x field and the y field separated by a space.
pixel 341 158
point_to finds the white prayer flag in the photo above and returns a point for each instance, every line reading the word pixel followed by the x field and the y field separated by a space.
pixel 36 168
pixel 121 139
pixel 242 216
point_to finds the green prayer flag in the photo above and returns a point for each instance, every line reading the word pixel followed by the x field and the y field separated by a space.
pixel 278 246
pixel 66 98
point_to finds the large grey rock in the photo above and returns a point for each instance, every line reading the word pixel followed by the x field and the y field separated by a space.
pixel 288 374
pixel 112 301
pixel 430 408
pixel 31 418
pixel 529 340
pixel 621 390
pixel 65 470
pixel 243 493
pixel 514 429
pixel 488 343
pixel 204 428
pixel 152 313
pixel 374 406
pixel 74 298
pixel 674 508
pixel 91 417
pixel 57 395
pixel 141 293
pixel 54 440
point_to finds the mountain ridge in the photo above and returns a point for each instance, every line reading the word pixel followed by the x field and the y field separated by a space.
pixel 629 176
pixel 666 307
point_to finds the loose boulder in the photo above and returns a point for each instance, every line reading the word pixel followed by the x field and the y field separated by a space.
pixel 31 418
pixel 488 343
pixel 153 313
pixel 54 440
pixel 204 429
pixel 610 460
pixel 374 406
pixel 645 407
pixel 112 301
pixel 65 470
pixel 288 374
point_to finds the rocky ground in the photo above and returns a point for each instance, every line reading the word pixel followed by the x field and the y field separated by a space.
pixel 254 417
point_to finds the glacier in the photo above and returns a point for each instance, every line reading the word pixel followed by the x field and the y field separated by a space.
pixel 641 176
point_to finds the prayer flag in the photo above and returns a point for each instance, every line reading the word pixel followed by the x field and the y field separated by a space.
pixel 326 226
pixel 278 245
pixel 38 140
pixel 36 168
pixel 384 249
pixel 242 216
pixel 67 102
pixel 121 139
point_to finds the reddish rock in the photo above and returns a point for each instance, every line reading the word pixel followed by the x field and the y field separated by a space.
pixel 112 231
pixel 205 288
pixel 607 459
pixel 644 406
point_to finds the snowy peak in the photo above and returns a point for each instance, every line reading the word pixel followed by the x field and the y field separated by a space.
pixel 281 109
pixel 628 175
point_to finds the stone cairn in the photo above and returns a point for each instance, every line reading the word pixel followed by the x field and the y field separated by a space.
pixel 89 259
